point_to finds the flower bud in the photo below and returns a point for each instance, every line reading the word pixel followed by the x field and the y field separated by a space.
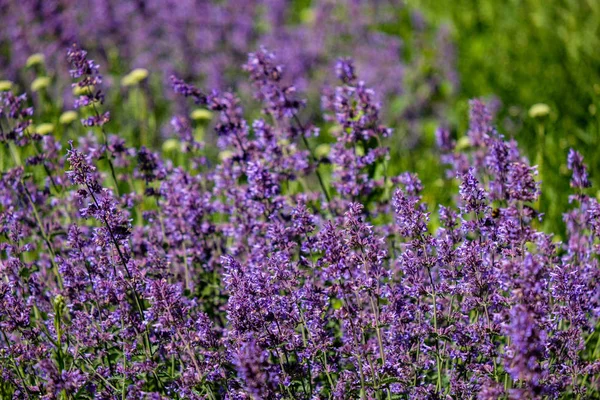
pixel 171 145
pixel 40 83
pixel 45 128
pixel 134 77
pixel 67 117
pixel 201 114
pixel 5 86
pixel 35 59
pixel 539 110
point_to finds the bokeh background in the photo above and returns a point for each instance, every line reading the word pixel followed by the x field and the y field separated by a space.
pixel 425 59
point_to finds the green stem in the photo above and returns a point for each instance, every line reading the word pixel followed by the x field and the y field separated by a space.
pixel 44 236
pixel 107 154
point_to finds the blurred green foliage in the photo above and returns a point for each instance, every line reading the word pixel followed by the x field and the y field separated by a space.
pixel 526 52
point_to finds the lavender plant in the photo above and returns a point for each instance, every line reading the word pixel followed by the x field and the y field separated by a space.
pixel 279 268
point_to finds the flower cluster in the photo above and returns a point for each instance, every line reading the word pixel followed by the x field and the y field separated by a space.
pixel 275 269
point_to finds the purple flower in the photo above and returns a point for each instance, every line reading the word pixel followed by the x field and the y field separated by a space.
pixel 81 66
pixel 480 119
pixel 527 349
pixel 187 90
pixel 580 176
pixel 472 194
pixel 344 69
pixel 258 377
pixel 410 218
pixel 520 182
pixel 279 99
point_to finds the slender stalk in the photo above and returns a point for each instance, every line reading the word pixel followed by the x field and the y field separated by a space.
pixel 44 236
pixel 107 154
pixel 435 322
pixel 315 161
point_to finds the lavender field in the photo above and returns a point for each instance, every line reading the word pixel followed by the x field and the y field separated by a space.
pixel 299 199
